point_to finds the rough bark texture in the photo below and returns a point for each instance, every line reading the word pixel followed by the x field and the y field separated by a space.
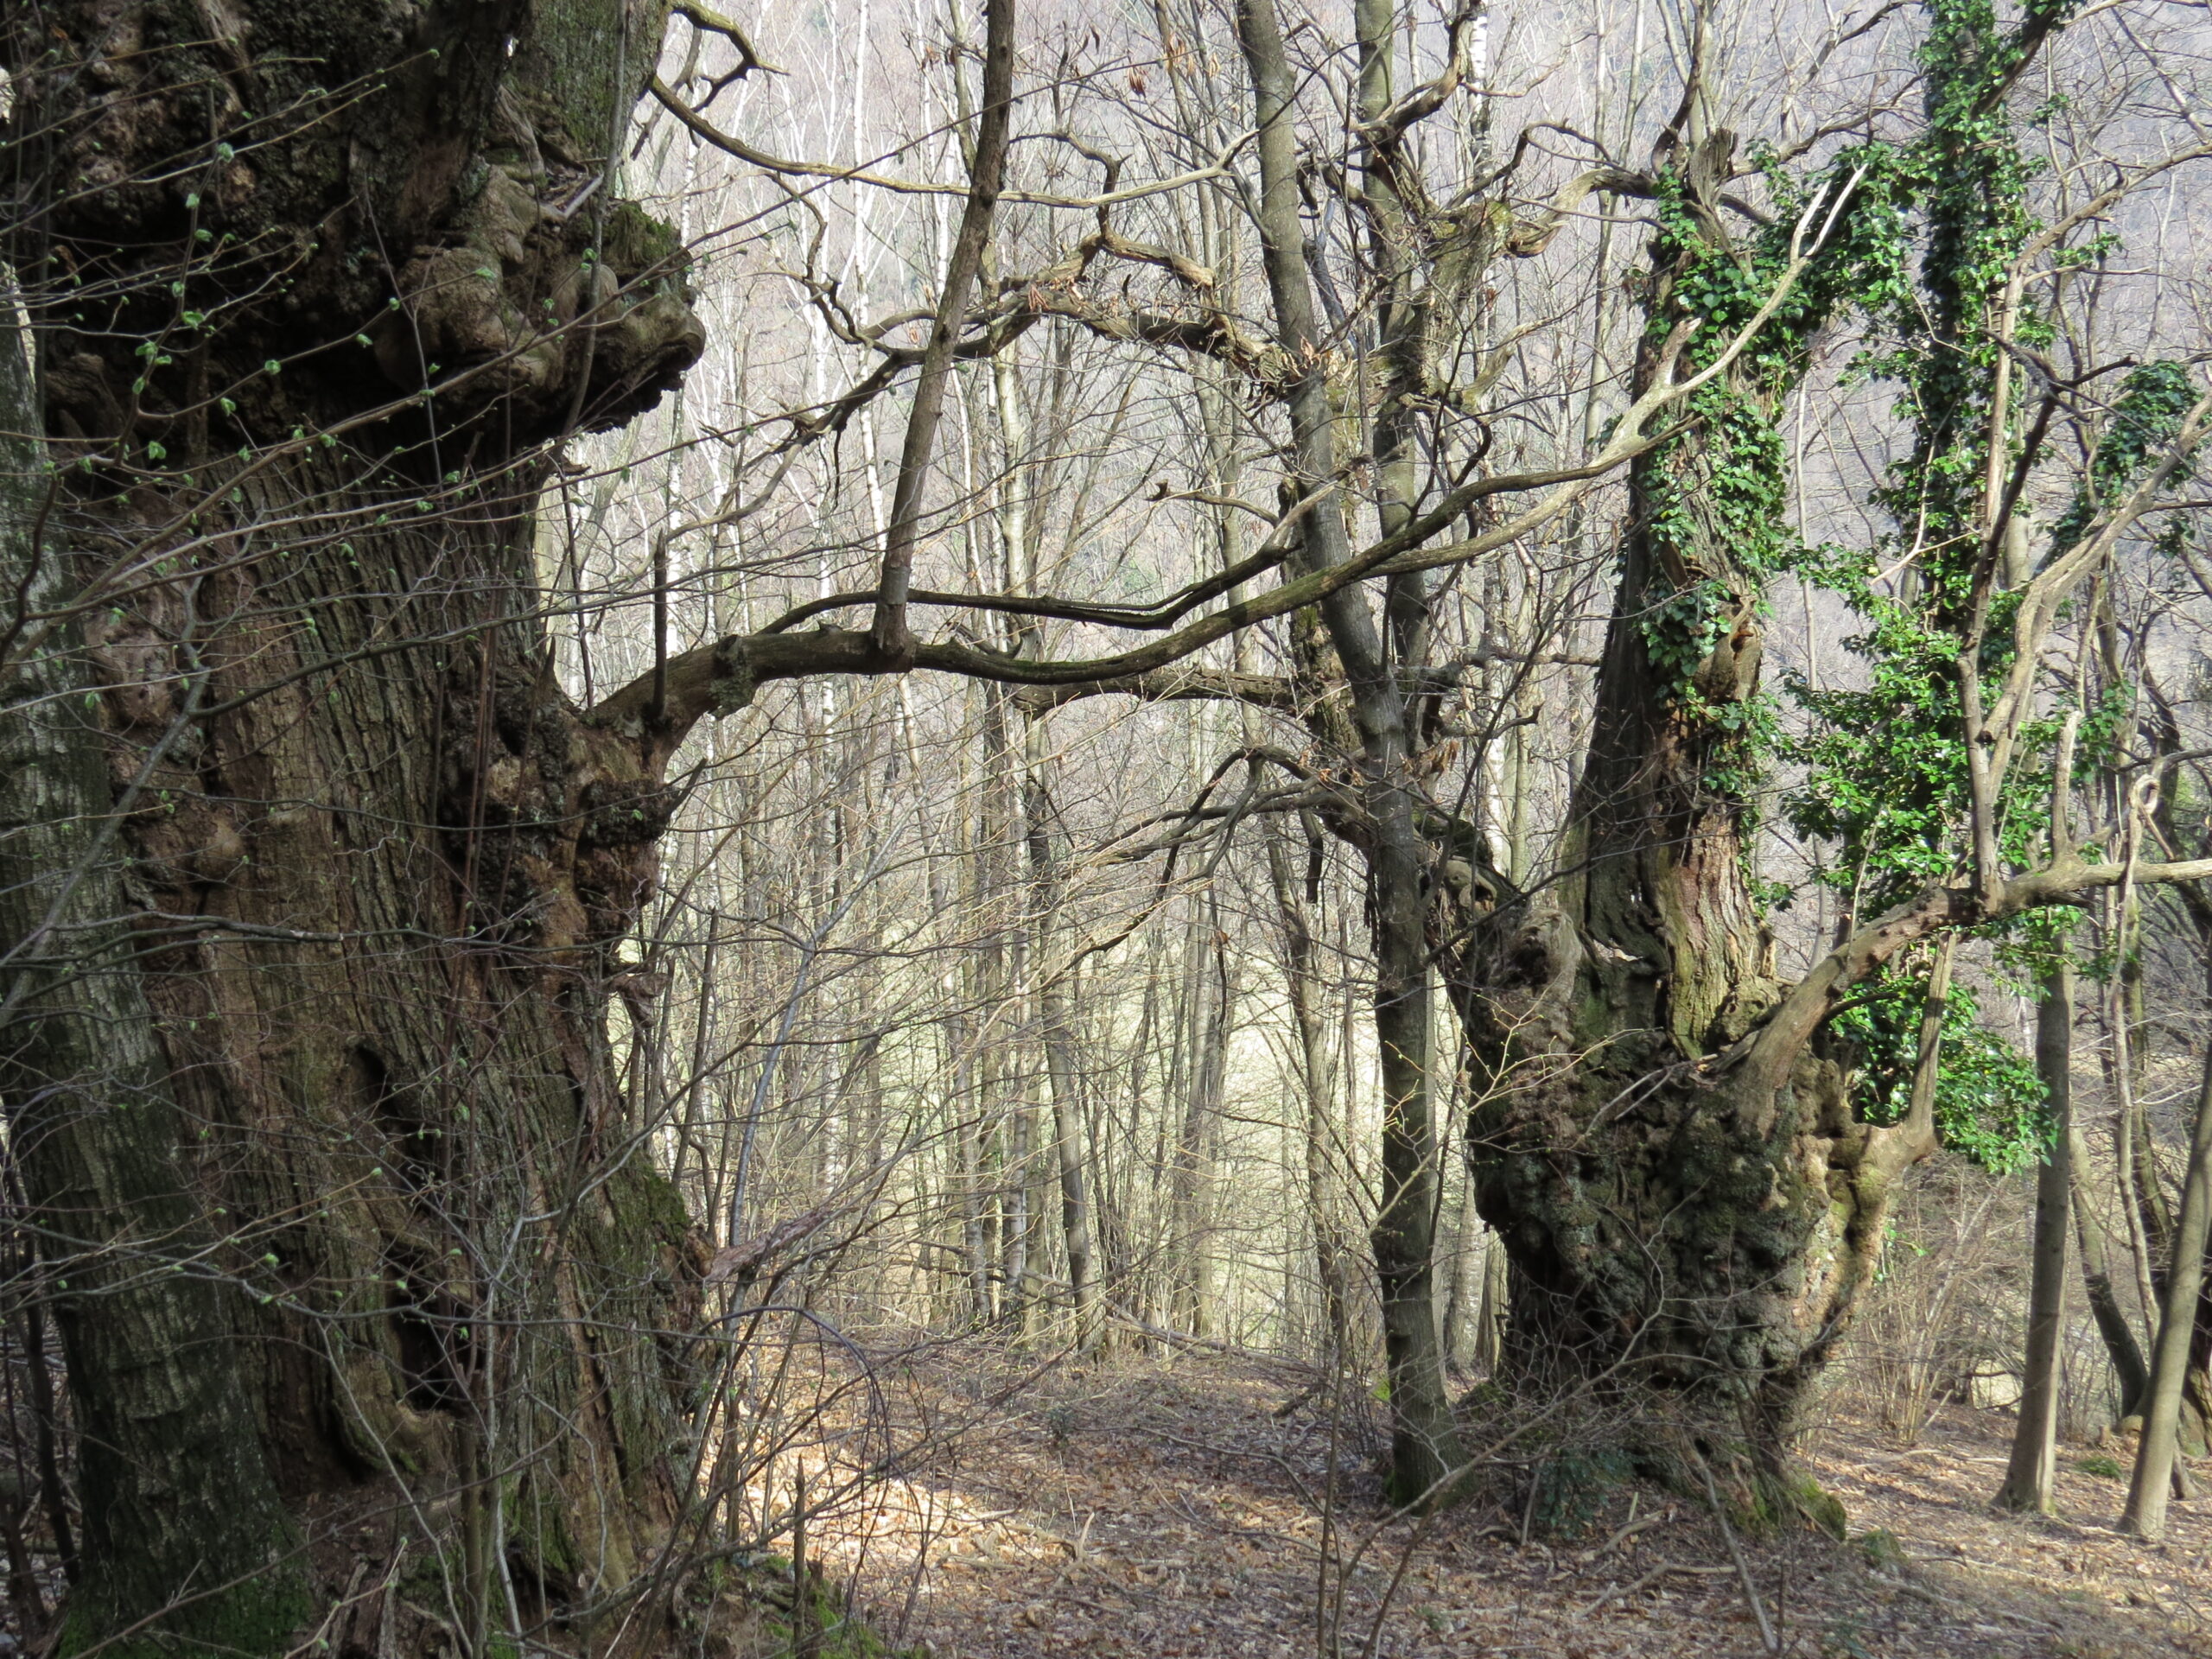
pixel 379 856
pixel 180 1509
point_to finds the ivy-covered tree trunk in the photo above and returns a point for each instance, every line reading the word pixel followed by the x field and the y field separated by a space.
pixel 1687 1231
pixel 312 287
pixel 1666 1142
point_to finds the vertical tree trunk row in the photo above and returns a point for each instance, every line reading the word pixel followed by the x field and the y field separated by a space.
pixel 2028 1478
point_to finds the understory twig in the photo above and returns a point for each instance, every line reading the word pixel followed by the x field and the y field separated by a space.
pixel 1767 1637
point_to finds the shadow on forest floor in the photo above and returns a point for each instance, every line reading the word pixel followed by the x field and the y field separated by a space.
pixel 1140 1509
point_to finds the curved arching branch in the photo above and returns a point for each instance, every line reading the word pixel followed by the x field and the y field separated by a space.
pixel 660 708
pixel 1762 1060
pixel 729 144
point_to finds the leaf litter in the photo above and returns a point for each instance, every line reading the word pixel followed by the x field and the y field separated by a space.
pixel 1134 1507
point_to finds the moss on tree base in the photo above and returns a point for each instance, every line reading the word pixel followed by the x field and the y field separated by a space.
pixel 263 1615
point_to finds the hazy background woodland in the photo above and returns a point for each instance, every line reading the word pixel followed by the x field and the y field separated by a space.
pixel 1012 1028
pixel 873 885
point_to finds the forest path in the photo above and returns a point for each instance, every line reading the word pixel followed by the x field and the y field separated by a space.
pixel 1135 1509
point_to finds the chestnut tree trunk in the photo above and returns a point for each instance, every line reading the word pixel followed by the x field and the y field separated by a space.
pixel 178 1501
pixel 313 289
pixel 1689 1226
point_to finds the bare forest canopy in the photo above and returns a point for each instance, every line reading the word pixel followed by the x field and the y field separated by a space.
pixel 1490 704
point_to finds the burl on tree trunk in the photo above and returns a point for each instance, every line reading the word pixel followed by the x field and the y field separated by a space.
pixel 314 285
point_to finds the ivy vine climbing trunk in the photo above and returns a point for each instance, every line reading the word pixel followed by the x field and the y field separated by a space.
pixel 1691 1186
pixel 312 288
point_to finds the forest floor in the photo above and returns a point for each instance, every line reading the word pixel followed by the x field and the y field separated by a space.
pixel 1140 1509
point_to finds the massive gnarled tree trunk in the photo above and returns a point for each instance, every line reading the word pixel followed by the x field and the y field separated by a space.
pixel 1689 1224
pixel 312 287
pixel 1666 1141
